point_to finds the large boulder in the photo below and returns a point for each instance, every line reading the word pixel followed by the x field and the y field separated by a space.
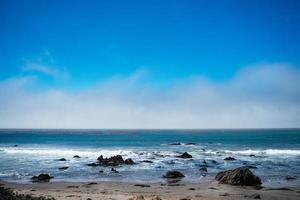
pixel 42 178
pixel 173 174
pixel 239 176
pixel 185 155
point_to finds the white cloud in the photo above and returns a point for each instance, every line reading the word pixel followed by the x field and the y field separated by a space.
pixel 260 96
pixel 48 70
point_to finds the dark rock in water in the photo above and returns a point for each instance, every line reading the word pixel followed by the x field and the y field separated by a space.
pixel 203 169
pixel 114 170
pixel 76 156
pixel 112 161
pixel 92 164
pixel 253 196
pixel 176 143
pixel 129 161
pixel 101 171
pixel 15 145
pixel 173 174
pixel 61 159
pixel 214 162
pixel 239 176
pixel 63 168
pixel 252 155
pixel 191 143
pixel 251 166
pixel 42 178
pixel 147 161
pixel 290 177
pixel 229 158
pixel 185 155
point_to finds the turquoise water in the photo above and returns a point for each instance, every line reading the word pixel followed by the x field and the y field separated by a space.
pixel 277 153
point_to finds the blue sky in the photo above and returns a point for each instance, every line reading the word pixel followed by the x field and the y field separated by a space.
pixel 97 39
pixel 75 46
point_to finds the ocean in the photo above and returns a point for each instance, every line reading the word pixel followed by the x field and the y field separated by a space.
pixel 24 153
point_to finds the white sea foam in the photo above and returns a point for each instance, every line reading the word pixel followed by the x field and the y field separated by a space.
pixel 270 152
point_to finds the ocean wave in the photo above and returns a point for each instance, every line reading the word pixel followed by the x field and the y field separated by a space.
pixel 270 152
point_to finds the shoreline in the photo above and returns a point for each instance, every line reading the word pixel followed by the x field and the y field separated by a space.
pixel 109 190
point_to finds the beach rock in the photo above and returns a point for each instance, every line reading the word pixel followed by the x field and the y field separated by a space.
pixel 139 197
pixel 203 169
pixel 92 164
pixel 42 178
pixel 147 161
pixel 155 197
pixel 229 158
pixel 129 161
pixel 290 177
pixel 253 196
pixel 173 174
pixel 252 155
pixel 76 156
pixel 114 170
pixel 61 159
pixel 63 168
pixel 112 161
pixel 185 155
pixel 239 176
pixel 142 185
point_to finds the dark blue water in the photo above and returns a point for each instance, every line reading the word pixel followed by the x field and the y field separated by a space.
pixel 277 153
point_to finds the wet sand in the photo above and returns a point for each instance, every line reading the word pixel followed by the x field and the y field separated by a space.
pixel 166 191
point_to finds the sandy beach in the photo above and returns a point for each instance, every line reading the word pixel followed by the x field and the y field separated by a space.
pixel 166 191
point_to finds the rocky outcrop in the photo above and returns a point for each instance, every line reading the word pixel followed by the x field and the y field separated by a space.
pixel 61 159
pixel 185 155
pixel 239 176
pixel 42 178
pixel 112 161
pixel 173 174
pixel 76 156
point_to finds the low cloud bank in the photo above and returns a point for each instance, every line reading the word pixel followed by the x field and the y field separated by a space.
pixel 259 96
